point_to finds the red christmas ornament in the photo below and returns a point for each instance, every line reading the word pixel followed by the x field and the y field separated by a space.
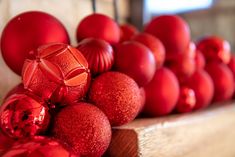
pixel 222 79
pixel 98 26
pixel 154 44
pixel 199 60
pixel 26 32
pixel 117 95
pixel 231 66
pixel 127 32
pixel 22 116
pixel 99 54
pixel 58 72
pixel 215 49
pixel 203 87
pixel 162 93
pixel 83 127
pixel 135 60
pixel 39 146
pixel 143 99
pixel 187 100
pixel 172 30
pixel 5 143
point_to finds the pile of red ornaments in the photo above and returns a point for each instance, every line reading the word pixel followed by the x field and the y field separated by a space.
pixel 70 97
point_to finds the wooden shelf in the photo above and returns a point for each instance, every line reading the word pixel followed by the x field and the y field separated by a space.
pixel 210 132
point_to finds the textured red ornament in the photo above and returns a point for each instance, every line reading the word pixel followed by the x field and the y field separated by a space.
pixel 26 32
pixel 117 95
pixel 231 66
pixel 162 93
pixel 215 49
pixel 199 60
pixel 98 26
pixel 22 116
pixel 84 127
pixel 172 30
pixel 154 44
pixel 222 79
pixel 58 72
pixel 187 100
pixel 39 146
pixel 127 32
pixel 5 142
pixel 99 54
pixel 135 60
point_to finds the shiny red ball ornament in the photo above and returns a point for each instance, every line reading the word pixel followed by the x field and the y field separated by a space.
pixel 99 26
pixel 26 32
pixel 215 49
pixel 127 32
pixel 199 60
pixel 39 146
pixel 222 79
pixel 135 60
pixel 23 116
pixel 57 72
pixel 98 53
pixel 84 127
pixel 117 95
pixel 172 30
pixel 187 100
pixel 154 44
pixel 162 93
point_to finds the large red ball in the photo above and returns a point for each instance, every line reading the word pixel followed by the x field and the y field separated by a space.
pixel 127 32
pixel 99 26
pixel 26 32
pixel 84 127
pixel 222 79
pixel 135 60
pixel 162 93
pixel 172 30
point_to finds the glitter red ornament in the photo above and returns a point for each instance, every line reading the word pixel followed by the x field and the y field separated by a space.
pixel 57 72
pixel 99 54
pixel 98 26
pixel 26 32
pixel 23 116
pixel 135 60
pixel 117 95
pixel 127 32
pixel 84 127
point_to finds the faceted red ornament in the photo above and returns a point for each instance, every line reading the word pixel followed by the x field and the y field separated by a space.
pixel 58 72
pixel 23 116
pixel 154 44
pixel 18 89
pixel 26 32
pixel 39 146
pixel 162 93
pixel 222 79
pixel 99 26
pixel 231 66
pixel 84 127
pixel 135 60
pixel 199 60
pixel 5 142
pixel 127 32
pixel 187 100
pixel 215 49
pixel 99 54
pixel 117 95
pixel 172 30
pixel 203 87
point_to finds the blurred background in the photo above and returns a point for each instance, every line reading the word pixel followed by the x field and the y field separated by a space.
pixel 205 17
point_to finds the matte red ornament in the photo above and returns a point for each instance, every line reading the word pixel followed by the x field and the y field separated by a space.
pixel 135 60
pixel 172 30
pixel 231 66
pixel 98 26
pixel 117 95
pixel 84 127
pixel 222 79
pixel 162 93
pixel 187 100
pixel 127 32
pixel 199 60
pixel 39 146
pixel 99 54
pixel 57 72
pixel 154 44
pixel 26 32
pixel 215 49
pixel 23 116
